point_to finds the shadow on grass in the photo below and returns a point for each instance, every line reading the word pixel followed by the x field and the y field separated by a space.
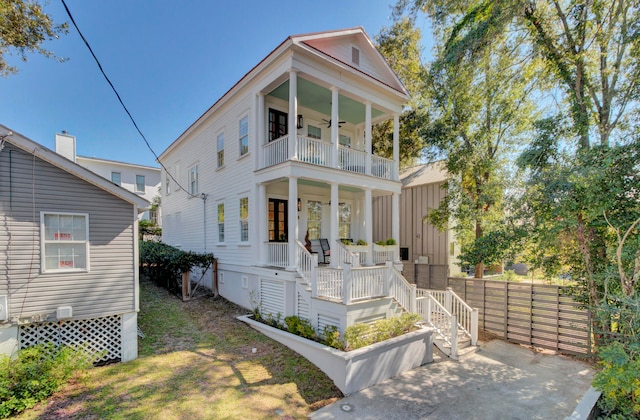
pixel 197 361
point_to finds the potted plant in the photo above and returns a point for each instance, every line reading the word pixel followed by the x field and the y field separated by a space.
pixel 360 246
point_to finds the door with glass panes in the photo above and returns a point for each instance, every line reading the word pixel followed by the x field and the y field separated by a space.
pixel 278 229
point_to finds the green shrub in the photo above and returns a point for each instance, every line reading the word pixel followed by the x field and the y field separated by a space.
pixel 361 242
pixel 332 337
pixel 361 335
pixel 619 381
pixel 390 241
pixel 510 275
pixel 301 327
pixel 164 264
pixel 35 374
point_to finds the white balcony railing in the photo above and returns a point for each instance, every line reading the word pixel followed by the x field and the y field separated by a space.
pixel 384 253
pixel 381 167
pixel 276 151
pixel 318 152
pixel 351 160
pixel 314 151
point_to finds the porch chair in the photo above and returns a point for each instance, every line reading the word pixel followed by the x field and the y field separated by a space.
pixel 326 251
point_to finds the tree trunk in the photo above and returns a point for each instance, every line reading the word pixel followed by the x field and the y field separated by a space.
pixel 479 268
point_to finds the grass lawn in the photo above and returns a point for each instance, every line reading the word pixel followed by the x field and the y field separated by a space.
pixel 196 362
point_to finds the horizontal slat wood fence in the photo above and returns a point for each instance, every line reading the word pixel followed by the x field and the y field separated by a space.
pixel 532 314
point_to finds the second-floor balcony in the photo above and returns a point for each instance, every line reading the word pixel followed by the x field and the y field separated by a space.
pixel 322 153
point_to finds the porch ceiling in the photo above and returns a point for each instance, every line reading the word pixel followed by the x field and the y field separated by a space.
pixel 310 183
pixel 318 98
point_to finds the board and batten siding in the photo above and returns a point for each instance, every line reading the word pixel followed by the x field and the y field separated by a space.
pixel 422 239
pixel 28 186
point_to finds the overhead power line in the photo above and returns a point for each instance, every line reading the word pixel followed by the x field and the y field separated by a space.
pixel 120 99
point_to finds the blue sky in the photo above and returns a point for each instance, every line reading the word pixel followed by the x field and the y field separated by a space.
pixel 170 61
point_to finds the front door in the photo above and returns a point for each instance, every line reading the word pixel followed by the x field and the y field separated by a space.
pixel 278 225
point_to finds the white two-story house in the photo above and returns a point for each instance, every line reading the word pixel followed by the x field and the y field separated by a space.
pixel 282 163
pixel 141 180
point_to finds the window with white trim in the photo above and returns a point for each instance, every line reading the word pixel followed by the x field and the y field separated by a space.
pixel 344 140
pixel 344 225
pixel 314 132
pixel 116 178
pixel 314 219
pixel 140 183
pixel 193 180
pixel 220 150
pixel 221 222
pixel 244 136
pixel 64 241
pixel 244 219
pixel 167 183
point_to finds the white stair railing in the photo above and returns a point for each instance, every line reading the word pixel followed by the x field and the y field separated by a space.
pixel 277 254
pixel 307 262
pixel 345 256
pixel 444 322
pixel 400 289
pixel 467 317
pixel 329 283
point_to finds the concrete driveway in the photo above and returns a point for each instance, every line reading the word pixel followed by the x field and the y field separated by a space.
pixel 498 381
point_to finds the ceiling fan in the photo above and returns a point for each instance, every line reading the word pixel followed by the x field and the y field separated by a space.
pixel 328 122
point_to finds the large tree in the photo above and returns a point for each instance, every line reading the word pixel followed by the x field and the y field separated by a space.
pixel 400 45
pixel 24 27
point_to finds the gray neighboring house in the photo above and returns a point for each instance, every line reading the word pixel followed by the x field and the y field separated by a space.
pixel 68 253
pixel 429 255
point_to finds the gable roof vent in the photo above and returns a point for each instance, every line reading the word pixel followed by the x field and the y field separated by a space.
pixel 355 55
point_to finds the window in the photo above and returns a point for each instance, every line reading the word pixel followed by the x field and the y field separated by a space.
pixel 314 219
pixel 314 132
pixel 193 180
pixel 344 140
pixel 167 183
pixel 244 219
pixel 244 136
pixel 65 241
pixel 220 150
pixel 355 55
pixel 116 178
pixel 277 124
pixel 344 226
pixel 139 183
pixel 221 222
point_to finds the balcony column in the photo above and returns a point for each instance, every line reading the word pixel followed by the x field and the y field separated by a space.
pixel 293 112
pixel 293 223
pixel 334 224
pixel 262 223
pixel 261 130
pixel 368 224
pixel 335 122
pixel 367 137
pixel 396 146
pixel 395 222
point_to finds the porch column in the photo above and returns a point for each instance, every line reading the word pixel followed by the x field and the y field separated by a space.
pixel 262 223
pixel 293 223
pixel 334 224
pixel 260 130
pixel 293 112
pixel 396 146
pixel 335 123
pixel 395 222
pixel 367 137
pixel 368 224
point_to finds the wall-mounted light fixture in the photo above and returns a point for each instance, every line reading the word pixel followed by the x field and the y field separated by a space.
pixel 300 121
pixel 299 205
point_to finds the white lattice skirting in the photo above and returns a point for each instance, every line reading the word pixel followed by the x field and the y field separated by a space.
pixel 101 336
